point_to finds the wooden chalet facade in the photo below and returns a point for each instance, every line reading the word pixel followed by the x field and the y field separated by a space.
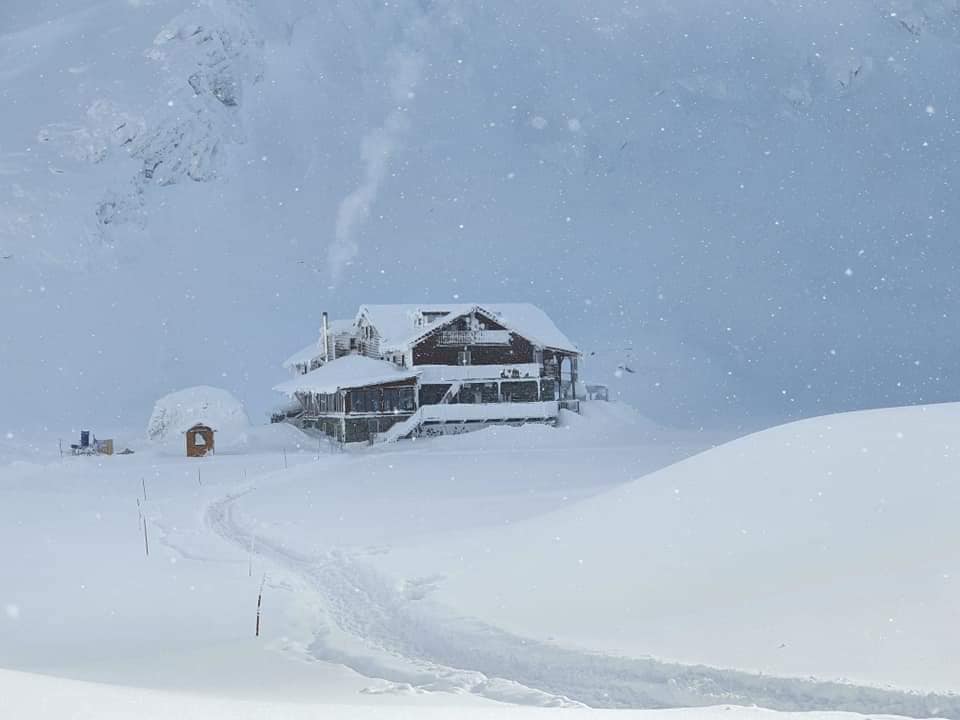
pixel 402 370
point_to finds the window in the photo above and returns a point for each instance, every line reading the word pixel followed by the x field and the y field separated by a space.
pixel 519 391
pixel 398 399
pixel 476 393
pixel 365 400
pixel 548 389
pixel 432 394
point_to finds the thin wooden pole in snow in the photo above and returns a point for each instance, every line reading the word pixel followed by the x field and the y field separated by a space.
pixel 260 602
pixel 143 481
pixel 198 478
pixel 146 542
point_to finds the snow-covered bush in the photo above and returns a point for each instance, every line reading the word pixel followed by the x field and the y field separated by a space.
pixel 177 412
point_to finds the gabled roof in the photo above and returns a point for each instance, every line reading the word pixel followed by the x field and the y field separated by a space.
pixel 398 329
pixel 349 371
pixel 315 349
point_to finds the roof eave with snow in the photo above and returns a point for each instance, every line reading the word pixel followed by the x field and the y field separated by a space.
pixel 346 373
pixel 537 327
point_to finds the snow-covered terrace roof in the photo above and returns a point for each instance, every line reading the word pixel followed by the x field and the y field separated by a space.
pixel 349 371
pixel 315 349
pixel 340 326
pixel 398 330
pixel 305 356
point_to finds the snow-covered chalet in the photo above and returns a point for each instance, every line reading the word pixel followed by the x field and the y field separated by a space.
pixel 396 371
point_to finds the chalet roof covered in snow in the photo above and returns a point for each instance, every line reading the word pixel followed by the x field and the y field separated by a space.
pixel 304 356
pixel 398 328
pixel 349 371
pixel 315 349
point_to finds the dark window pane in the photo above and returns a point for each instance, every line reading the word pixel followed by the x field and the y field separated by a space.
pixel 519 391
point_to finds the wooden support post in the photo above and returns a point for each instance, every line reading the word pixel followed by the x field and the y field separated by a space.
pixel 573 376
pixel 260 603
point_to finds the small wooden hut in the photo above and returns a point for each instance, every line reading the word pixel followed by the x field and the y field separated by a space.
pixel 199 440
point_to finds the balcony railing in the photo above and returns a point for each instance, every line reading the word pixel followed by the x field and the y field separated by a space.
pixel 475 337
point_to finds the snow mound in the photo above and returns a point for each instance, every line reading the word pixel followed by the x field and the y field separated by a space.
pixel 822 548
pixel 177 412
pixel 609 422
pixel 268 438
pixel 599 424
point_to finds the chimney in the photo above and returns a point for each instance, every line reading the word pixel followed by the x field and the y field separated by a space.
pixel 326 339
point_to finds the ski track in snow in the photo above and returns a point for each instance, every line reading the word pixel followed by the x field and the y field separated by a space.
pixel 418 646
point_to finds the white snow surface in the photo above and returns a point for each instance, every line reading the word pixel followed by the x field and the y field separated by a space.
pixel 35 697
pixel 531 566
pixel 349 371
pixel 825 548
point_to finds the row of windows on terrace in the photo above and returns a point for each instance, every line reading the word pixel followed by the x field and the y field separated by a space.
pixel 491 392
pixel 402 399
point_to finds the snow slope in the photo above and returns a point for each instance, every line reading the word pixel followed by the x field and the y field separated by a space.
pixel 824 548
pixel 682 185
pixel 520 565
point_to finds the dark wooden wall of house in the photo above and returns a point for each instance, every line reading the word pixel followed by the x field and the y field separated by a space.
pixel 429 351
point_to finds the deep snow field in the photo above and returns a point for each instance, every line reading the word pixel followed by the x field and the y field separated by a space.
pixel 812 566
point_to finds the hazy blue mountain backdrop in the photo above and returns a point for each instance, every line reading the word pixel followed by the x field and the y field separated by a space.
pixel 743 210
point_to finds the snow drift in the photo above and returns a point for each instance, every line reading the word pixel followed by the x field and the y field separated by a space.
pixel 177 412
pixel 824 548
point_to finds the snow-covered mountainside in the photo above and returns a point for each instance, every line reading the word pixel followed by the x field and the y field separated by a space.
pixel 748 203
